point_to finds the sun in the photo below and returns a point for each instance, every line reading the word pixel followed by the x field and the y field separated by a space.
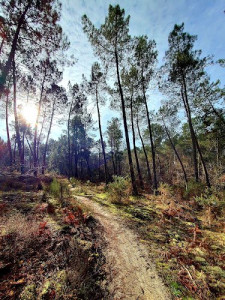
pixel 29 113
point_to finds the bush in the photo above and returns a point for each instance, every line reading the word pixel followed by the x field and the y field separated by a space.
pixel 119 189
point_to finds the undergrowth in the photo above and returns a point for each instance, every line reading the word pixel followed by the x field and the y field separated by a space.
pixel 48 244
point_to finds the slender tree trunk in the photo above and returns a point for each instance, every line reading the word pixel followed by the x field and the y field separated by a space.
pixel 7 129
pixel 88 168
pixel 29 145
pixel 47 138
pixel 99 165
pixel 1 46
pixel 145 153
pixel 23 149
pixel 113 160
pixel 75 155
pixel 155 183
pixel 134 144
pixel 135 192
pixel 7 67
pixel 16 121
pixel 39 138
pixel 194 137
pixel 14 153
pixel 101 137
pixel 68 141
pixel 36 126
pixel 175 151
pixel 194 150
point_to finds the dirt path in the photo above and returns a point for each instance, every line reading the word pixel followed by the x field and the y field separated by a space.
pixel 131 275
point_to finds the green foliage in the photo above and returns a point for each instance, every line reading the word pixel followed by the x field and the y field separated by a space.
pixel 55 188
pixel 118 189
pixel 166 190
pixel 207 200
pixel 176 289
pixel 194 189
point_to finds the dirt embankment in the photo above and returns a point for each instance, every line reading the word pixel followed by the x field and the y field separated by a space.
pixel 130 273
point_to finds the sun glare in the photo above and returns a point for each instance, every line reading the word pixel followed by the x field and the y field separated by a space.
pixel 29 113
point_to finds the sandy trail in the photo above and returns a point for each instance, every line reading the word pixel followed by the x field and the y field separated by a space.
pixel 131 275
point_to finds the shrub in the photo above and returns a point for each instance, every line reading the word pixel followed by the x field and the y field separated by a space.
pixel 119 189
pixel 194 189
pixel 166 191
pixel 55 188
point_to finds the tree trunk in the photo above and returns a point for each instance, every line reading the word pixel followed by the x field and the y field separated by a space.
pixel 68 140
pixel 145 153
pixel 7 129
pixel 113 160
pixel 194 137
pixel 155 183
pixel 101 137
pixel 47 138
pixel 1 46
pixel 16 120
pixel 134 144
pixel 36 127
pixel 135 192
pixel 175 151
pixel 194 150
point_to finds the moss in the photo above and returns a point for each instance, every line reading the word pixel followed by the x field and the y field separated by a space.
pixel 45 289
pixel 215 271
pixel 199 252
pixel 176 289
pixel 85 245
pixel 28 293
pixel 60 281
pixel 200 260
pixel 57 282
pixel 102 196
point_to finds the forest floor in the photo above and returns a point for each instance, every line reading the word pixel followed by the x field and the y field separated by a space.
pixel 69 240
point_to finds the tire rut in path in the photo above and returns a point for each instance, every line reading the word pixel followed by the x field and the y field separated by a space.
pixel 130 272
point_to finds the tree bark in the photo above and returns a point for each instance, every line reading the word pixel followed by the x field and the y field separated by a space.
pixel 113 160
pixel 134 144
pixel 175 151
pixel 68 141
pixel 7 129
pixel 145 153
pixel 193 135
pixel 135 192
pixel 155 183
pixel 36 127
pixel 16 121
pixel 47 138
pixel 101 137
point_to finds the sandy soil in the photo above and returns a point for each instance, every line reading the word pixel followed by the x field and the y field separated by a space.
pixel 130 272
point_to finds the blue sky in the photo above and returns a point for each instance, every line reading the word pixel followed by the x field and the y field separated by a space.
pixel 155 18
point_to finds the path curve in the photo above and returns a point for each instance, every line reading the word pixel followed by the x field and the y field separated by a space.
pixel 131 275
